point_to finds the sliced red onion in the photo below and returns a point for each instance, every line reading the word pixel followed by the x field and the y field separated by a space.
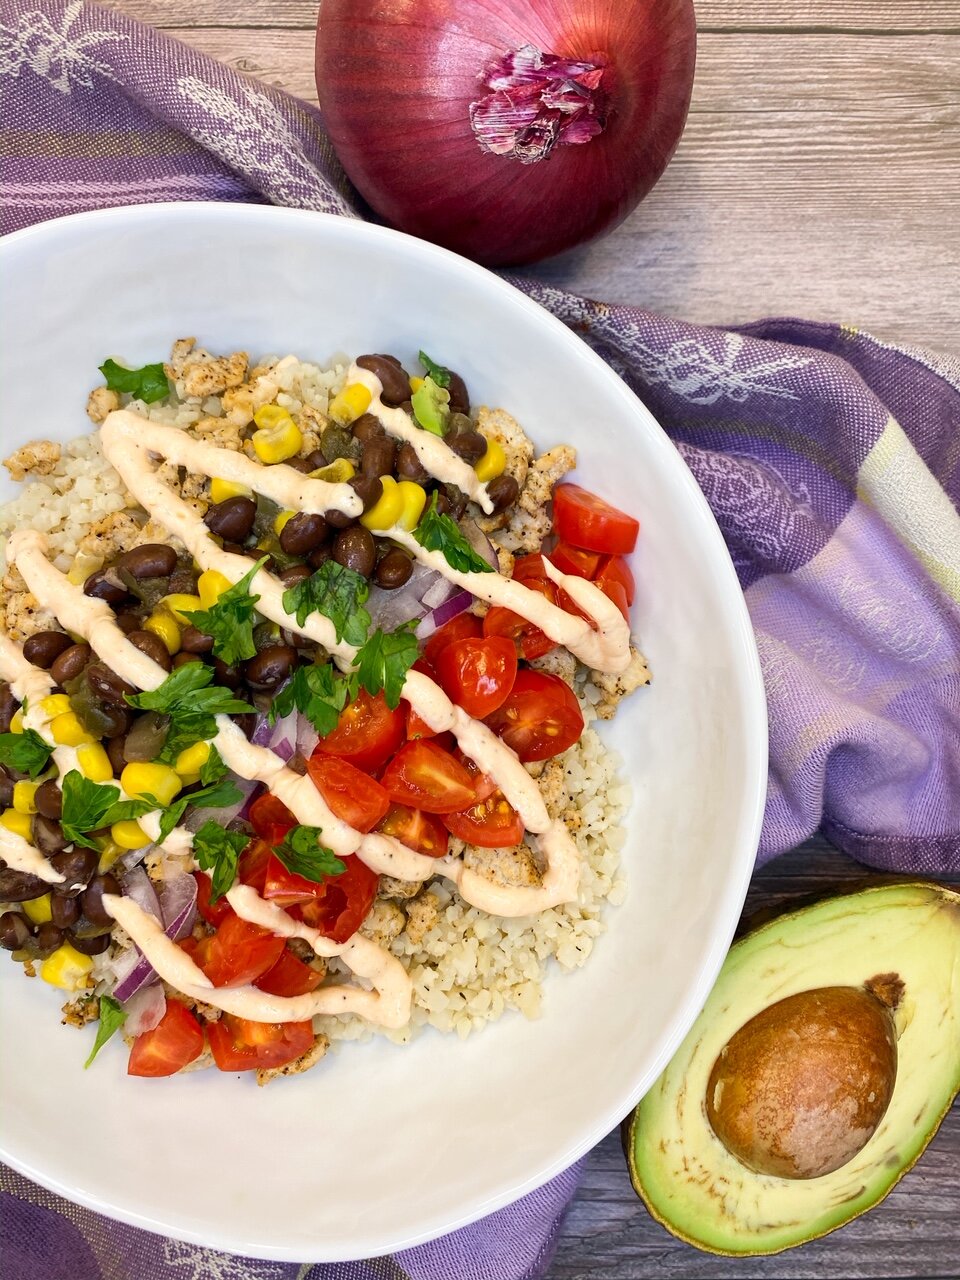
pixel 450 609
pixel 197 817
pixel 389 609
pixel 439 592
pixel 262 730
pixel 480 542
pixel 307 737
pixel 145 1009
pixel 178 905
pixel 137 885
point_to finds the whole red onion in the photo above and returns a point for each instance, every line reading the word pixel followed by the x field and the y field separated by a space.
pixel 507 130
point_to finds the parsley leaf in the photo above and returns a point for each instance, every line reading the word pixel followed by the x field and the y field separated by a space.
pixel 213 768
pixel 385 659
pixel 437 532
pixel 320 693
pixel 437 372
pixel 218 851
pixel 112 1017
pixel 147 384
pixel 26 752
pixel 339 594
pixel 230 620
pixel 85 806
pixel 431 406
pixel 303 855
pixel 191 705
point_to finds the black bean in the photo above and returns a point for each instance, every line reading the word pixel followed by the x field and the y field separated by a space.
pixel 64 911
pixel 503 492
pixel 78 866
pixel 49 937
pixel 8 707
pixel 247 723
pixel 270 667
pixel 296 573
pixel 468 445
pixel 152 646
pixel 70 663
pixel 15 929
pixel 459 396
pixel 41 649
pixel 303 533
pixel 368 489
pixel 115 749
pixel 379 456
pixel 409 466
pixel 300 464
pixel 106 684
pixel 129 621
pixel 6 788
pixel 336 442
pixel 394 569
pixel 457 499
pixel 194 641
pixel 367 427
pixel 316 460
pixel 20 886
pixel 393 377
pixel 48 834
pixel 444 505
pixel 91 944
pixel 228 675
pixel 152 560
pixel 182 659
pixel 106 584
pixel 49 799
pixel 231 520
pixel 91 900
pixel 355 549
pixel 110 720
pixel 318 557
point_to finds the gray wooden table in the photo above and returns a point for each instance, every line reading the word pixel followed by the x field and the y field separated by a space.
pixel 819 176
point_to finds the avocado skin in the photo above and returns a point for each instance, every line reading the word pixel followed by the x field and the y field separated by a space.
pixel 692 1185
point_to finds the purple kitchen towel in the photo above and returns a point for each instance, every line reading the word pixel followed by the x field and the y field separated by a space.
pixel 830 460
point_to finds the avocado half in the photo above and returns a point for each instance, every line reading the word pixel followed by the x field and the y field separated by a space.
pixel 688 1179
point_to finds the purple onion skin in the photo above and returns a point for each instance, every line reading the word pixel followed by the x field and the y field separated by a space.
pixel 396 83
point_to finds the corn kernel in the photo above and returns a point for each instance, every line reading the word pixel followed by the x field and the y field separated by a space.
pixel 415 383
pixel 38 909
pixel 23 796
pixel 129 834
pixel 221 490
pixel 348 404
pixel 18 823
pixel 16 721
pixel 192 759
pixel 272 415
pixel 282 519
pixel 492 464
pixel 211 586
pixel 163 626
pixel 54 705
pixel 414 500
pixel 67 731
pixel 66 968
pixel 94 763
pixel 277 444
pixel 337 472
pixel 386 511
pixel 158 780
pixel 179 604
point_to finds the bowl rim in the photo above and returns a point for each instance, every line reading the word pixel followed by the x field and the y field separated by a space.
pixel 752 706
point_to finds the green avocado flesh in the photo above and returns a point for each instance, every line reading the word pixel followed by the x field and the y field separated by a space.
pixel 686 1176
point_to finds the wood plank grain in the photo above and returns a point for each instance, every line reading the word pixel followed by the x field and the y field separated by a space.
pixel 712 15
pixel 913 1233
pixel 818 176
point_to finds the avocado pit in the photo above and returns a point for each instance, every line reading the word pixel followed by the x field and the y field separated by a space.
pixel 801 1087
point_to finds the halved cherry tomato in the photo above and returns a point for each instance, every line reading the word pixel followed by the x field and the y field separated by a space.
pixel 271 819
pixel 367 733
pixel 342 902
pixel 237 1044
pixel 483 784
pixel 239 952
pixel 423 832
pixel 571 559
pixel 492 823
pixel 616 569
pixel 541 717
pixel 285 887
pixel 478 673
pixel 587 521
pixel 615 592
pixel 353 796
pixel 426 777
pixel 175 1042
pixel 461 627
pixel 213 912
pixel 289 977
pixel 252 867
pixel 529 640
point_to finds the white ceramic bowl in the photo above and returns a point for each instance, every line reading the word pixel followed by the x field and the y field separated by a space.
pixel 382 1147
